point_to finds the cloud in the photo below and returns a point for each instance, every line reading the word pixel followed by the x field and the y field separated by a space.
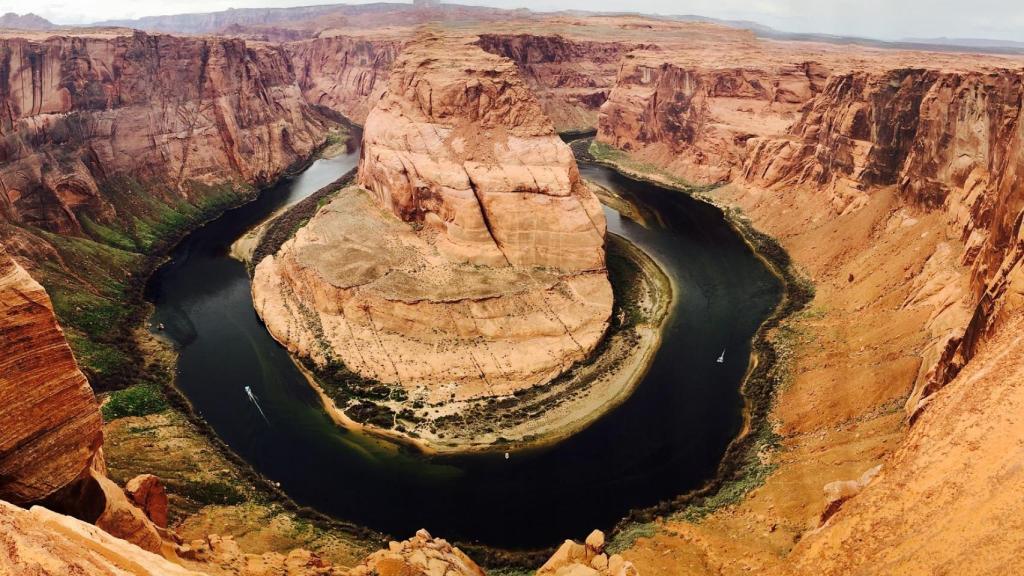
pixel 887 19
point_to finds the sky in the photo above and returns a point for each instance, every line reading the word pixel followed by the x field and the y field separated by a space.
pixel 884 19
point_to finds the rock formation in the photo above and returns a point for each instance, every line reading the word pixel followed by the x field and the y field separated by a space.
pixel 147 492
pixel 892 178
pixel 347 74
pixel 571 78
pixel 50 424
pixel 38 541
pixel 471 262
pixel 83 115
pixel 587 559
pixel 421 554
pixel 945 141
pixel 695 117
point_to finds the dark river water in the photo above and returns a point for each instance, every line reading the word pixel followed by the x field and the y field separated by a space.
pixel 667 438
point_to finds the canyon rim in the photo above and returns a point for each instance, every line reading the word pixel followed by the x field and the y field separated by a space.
pixel 472 288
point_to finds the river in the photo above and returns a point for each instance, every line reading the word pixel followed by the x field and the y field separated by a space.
pixel 667 438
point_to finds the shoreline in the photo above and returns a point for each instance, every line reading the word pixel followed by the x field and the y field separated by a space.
pixel 156 350
pixel 740 469
pixel 568 416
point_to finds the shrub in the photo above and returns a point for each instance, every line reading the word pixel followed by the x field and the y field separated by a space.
pixel 138 400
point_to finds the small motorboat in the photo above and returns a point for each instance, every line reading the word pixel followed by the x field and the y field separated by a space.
pixel 721 359
pixel 248 392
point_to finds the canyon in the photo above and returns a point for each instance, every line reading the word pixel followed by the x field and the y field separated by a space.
pixel 889 177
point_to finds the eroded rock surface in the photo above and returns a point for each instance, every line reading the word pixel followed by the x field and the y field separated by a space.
pixel 571 78
pixel 38 541
pixel 50 424
pixel 587 559
pixel 470 262
pixel 421 555
pixel 347 74
pixel 892 181
pixel 86 116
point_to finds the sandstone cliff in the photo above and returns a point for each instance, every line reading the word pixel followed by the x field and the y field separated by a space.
pixel 39 541
pixel 950 142
pixel 571 78
pixel 472 261
pixel 82 113
pixel 347 74
pixel 694 116
pixel 892 181
pixel 51 425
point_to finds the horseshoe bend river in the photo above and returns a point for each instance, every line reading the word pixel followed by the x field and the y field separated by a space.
pixel 666 439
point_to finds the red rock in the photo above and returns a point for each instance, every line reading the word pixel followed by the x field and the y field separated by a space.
pixel 51 427
pixel 166 112
pixel 147 492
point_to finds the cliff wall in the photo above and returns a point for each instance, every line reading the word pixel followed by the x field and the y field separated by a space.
pixel 51 421
pixel 79 113
pixel 347 74
pixel 571 78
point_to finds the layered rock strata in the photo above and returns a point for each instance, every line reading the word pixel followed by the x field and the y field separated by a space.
pixel 347 74
pixel 51 426
pixel 571 78
pixel 82 115
pixel 38 541
pixel 470 262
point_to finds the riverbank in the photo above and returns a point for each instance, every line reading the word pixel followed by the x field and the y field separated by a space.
pixel 211 489
pixel 747 462
pixel 547 414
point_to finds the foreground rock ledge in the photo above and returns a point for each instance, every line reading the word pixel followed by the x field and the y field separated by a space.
pixel 469 263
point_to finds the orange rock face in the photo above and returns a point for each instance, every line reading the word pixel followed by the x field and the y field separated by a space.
pixel 51 424
pixel 471 262
pixel 571 78
pixel 39 541
pixel 81 111
pixel 421 554
pixel 147 492
pixel 892 180
pixel 345 73
pixel 472 155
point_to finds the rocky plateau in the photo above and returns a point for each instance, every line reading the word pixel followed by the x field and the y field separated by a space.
pixel 470 260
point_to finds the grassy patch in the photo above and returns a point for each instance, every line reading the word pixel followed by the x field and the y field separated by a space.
pixel 210 493
pixel 602 152
pixel 626 537
pixel 138 400
pixel 96 281
pixel 627 281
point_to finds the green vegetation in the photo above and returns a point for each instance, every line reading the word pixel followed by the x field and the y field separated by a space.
pixel 627 280
pixel 605 153
pixel 626 537
pixel 95 281
pixel 211 493
pixel 138 400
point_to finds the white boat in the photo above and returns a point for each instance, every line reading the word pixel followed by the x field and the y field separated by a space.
pixel 721 359
pixel 252 397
